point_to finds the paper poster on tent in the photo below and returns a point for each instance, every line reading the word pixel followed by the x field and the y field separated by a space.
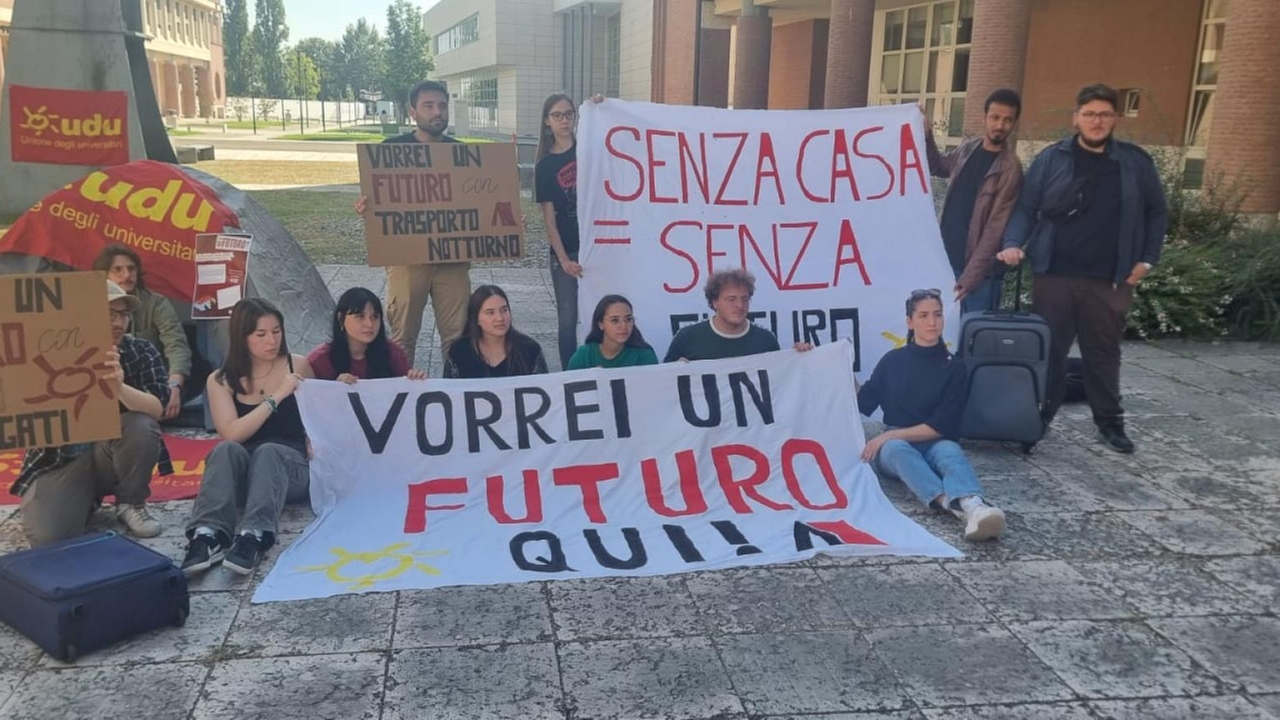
pixel 54 336
pixel 832 211
pixel 222 267
pixel 590 473
pixel 432 203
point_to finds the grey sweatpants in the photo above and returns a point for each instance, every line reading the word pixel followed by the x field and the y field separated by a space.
pixel 262 480
pixel 58 504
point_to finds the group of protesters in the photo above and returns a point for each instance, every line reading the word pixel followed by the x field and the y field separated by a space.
pixel 1089 215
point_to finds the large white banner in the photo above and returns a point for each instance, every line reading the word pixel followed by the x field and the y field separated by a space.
pixel 831 210
pixel 635 471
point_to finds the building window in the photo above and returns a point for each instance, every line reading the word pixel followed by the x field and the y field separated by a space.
pixel 481 95
pixel 923 56
pixel 1213 27
pixel 1130 99
pixel 613 69
pixel 464 33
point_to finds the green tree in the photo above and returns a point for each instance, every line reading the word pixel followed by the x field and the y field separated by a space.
pixel 363 58
pixel 269 35
pixel 326 55
pixel 301 74
pixel 408 52
pixel 237 47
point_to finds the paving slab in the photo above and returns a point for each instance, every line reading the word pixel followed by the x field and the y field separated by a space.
pixel 902 595
pixel 1223 707
pixel 624 608
pixel 1038 711
pixel 775 599
pixel 314 687
pixel 1051 590
pixel 1270 703
pixel 809 673
pixel 966 665
pixel 1118 491
pixel 1244 650
pixel 1168 587
pixel 9 680
pixel 155 692
pixel 16 652
pixel 1214 488
pixel 1257 577
pixel 476 615
pixel 651 678
pixel 342 624
pixel 1194 532
pixel 1090 536
pixel 499 682
pixel 1104 659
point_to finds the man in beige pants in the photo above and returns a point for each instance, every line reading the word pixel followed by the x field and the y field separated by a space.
pixel 447 284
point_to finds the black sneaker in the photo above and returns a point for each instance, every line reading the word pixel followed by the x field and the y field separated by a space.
pixel 1113 435
pixel 203 552
pixel 245 553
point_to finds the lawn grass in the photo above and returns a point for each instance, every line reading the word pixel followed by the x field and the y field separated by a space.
pixel 180 132
pixel 270 172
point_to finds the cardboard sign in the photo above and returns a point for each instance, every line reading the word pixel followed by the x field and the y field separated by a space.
pixel 69 127
pixel 222 263
pixel 432 203
pixel 54 336
pixel 153 207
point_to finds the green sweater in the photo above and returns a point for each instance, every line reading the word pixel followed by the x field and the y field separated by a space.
pixel 702 342
pixel 156 321
pixel 588 356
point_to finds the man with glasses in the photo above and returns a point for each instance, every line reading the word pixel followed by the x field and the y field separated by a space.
pixel 1091 218
pixel 62 486
pixel 729 332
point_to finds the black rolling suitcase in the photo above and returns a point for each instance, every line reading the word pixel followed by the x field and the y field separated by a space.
pixel 82 594
pixel 1007 356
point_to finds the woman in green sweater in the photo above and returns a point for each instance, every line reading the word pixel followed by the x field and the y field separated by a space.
pixel 614 340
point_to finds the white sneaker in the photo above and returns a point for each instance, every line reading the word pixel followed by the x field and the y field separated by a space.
pixel 983 522
pixel 139 521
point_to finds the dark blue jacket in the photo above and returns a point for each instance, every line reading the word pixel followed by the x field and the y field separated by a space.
pixel 1144 213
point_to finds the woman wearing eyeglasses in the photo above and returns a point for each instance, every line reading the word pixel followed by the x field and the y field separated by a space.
pixel 614 340
pixel 556 191
pixel 922 390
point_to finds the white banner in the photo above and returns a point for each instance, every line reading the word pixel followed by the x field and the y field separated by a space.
pixel 635 471
pixel 831 210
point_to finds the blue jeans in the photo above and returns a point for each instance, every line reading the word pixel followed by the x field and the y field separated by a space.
pixel 929 469
pixel 566 290
pixel 986 297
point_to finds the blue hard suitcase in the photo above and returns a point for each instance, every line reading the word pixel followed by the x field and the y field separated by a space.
pixel 82 594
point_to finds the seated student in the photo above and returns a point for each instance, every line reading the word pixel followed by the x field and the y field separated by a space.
pixel 262 460
pixel 614 340
pixel 489 346
pixel 360 348
pixel 61 486
pixel 154 320
pixel 922 391
pixel 728 333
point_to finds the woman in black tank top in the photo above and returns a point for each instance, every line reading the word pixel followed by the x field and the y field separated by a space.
pixel 263 457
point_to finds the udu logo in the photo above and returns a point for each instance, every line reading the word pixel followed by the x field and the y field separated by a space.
pixel 94 126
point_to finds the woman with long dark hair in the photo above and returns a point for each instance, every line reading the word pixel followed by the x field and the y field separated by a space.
pixel 359 348
pixel 262 459
pixel 556 191
pixel 614 340
pixel 490 346
pixel 922 390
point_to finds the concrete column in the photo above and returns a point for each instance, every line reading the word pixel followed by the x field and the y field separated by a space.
pixel 849 53
pixel 169 78
pixel 998 57
pixel 188 75
pixel 155 82
pixel 204 90
pixel 751 58
pixel 1248 96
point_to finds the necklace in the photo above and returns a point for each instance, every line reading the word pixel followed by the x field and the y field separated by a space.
pixel 256 378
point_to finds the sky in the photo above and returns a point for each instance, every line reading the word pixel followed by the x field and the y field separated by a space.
pixel 328 18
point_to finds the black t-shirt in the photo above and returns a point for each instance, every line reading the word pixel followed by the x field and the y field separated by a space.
pixel 1086 245
pixel 557 183
pixel 526 358
pixel 957 211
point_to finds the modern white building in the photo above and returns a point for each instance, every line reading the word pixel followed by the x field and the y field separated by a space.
pixel 501 58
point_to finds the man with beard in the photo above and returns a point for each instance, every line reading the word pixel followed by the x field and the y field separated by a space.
pixel 1091 218
pixel 61 486
pixel 985 177
pixel 447 284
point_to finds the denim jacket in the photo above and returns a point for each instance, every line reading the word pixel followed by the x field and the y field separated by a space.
pixel 1144 212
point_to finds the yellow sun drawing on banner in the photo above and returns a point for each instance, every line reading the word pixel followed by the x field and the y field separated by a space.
pixel 404 561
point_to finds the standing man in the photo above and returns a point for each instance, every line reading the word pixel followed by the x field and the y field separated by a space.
pixel 61 486
pixel 447 284
pixel 1092 217
pixel 985 177
pixel 729 332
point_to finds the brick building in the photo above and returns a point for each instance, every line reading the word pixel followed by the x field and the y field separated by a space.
pixel 184 49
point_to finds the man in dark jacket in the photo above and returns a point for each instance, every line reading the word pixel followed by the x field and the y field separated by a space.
pixel 1091 219
pixel 985 176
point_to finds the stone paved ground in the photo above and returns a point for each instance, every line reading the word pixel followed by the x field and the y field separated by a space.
pixel 1127 587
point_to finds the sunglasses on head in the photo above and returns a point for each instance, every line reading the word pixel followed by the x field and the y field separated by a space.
pixel 931 292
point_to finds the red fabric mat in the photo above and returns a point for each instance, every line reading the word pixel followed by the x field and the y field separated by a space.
pixel 188 466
